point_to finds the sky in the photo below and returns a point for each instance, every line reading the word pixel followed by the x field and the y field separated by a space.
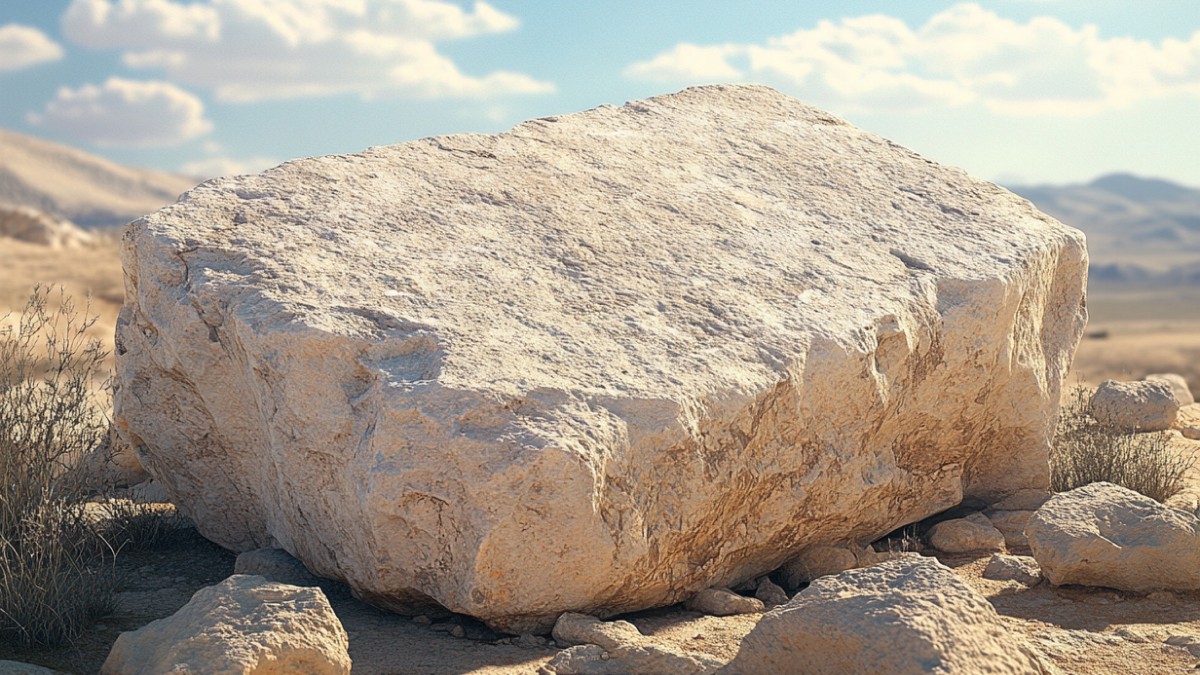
pixel 1014 91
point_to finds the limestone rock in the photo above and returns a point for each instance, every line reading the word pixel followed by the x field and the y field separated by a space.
pixel 596 363
pixel 770 593
pixel 244 624
pixel 617 648
pixel 818 561
pixel 962 535
pixel 1177 383
pixel 274 564
pixel 1135 406
pixel 30 225
pixel 1020 568
pixel 723 602
pixel 912 615
pixel 1106 535
pixel 1188 421
pixel 1012 526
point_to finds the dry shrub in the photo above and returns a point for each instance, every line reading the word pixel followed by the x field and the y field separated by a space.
pixel 53 578
pixel 1085 451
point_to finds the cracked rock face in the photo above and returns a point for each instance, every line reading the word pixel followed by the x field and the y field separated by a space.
pixel 596 363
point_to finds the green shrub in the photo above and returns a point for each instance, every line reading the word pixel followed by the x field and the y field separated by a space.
pixel 1085 451
pixel 53 578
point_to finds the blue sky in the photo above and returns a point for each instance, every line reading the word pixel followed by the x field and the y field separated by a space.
pixel 1012 90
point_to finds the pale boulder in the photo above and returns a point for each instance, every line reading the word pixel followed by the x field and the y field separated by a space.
pixel 1177 383
pixel 1188 421
pixel 1135 406
pixel 244 624
pixel 965 535
pixel 596 363
pixel 907 616
pixel 1106 535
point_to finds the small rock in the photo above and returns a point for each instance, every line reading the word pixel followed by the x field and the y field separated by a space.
pixel 1187 422
pixel 770 593
pixel 817 561
pixel 1106 535
pixel 961 535
pixel 616 648
pixel 421 618
pixel 1189 642
pixel 275 564
pixel 458 631
pixel 1135 406
pixel 1178 385
pixel 1012 525
pixel 240 625
pixel 904 617
pixel 723 602
pixel 529 641
pixel 1020 568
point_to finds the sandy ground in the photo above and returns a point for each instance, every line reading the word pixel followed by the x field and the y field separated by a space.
pixel 1082 630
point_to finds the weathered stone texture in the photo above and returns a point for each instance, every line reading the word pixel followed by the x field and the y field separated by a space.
pixel 598 362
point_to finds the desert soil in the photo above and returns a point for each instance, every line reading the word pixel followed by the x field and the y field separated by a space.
pixel 1083 630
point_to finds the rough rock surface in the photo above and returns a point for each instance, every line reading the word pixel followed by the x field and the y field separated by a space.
pixel 598 362
pixel 1012 526
pixel 722 602
pixel 1135 406
pixel 1178 385
pixel 911 615
pixel 770 593
pixel 965 535
pixel 1188 421
pixel 244 624
pixel 1020 568
pixel 1106 535
pixel 616 648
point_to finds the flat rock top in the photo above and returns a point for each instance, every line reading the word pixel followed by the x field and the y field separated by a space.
pixel 705 233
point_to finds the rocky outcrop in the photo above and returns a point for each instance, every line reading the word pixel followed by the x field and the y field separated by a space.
pixel 1106 535
pixel 597 363
pixel 244 624
pixel 1147 405
pixel 911 615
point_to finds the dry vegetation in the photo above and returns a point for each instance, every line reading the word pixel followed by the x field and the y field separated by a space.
pixel 1084 452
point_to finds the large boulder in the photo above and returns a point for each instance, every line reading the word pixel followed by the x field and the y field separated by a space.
pixel 596 363
pixel 1106 535
pixel 905 616
pixel 244 624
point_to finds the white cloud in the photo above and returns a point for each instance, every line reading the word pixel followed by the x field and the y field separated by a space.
pixel 125 112
pixel 961 55
pixel 250 50
pixel 211 167
pixel 23 46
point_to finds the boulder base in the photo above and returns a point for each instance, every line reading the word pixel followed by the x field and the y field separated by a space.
pixel 597 363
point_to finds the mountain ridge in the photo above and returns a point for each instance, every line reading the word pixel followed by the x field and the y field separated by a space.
pixel 86 189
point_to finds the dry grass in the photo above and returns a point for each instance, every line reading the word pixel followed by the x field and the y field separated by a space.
pixel 52 571
pixel 1085 452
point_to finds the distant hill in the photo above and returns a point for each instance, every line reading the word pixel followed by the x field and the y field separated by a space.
pixel 1138 229
pixel 88 190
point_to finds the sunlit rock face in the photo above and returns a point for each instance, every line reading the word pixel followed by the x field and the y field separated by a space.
pixel 598 362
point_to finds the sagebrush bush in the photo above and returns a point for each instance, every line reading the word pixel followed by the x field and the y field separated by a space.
pixel 53 579
pixel 1085 451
